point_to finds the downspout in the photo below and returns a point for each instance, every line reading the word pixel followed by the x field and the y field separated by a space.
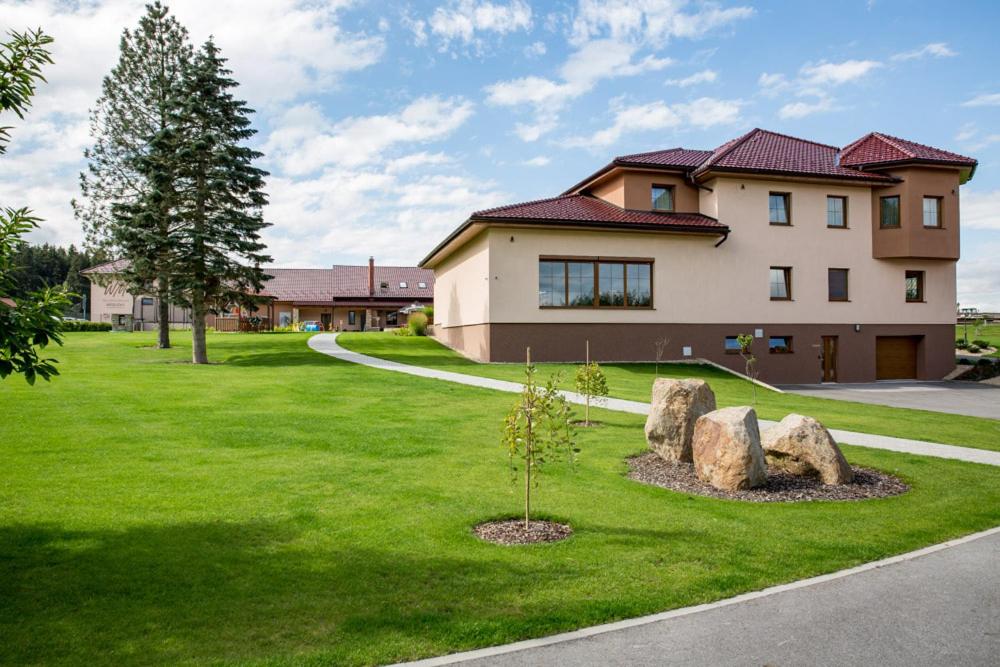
pixel 725 235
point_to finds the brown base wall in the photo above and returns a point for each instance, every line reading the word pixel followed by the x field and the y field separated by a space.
pixel 636 342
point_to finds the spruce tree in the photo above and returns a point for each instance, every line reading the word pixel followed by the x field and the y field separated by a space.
pixel 125 209
pixel 217 251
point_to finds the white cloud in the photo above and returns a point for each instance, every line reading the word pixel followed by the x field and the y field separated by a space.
pixel 305 141
pixel 538 161
pixel 979 283
pixel 535 50
pixel 650 21
pixel 592 62
pixel 934 50
pixel 981 210
pixel 704 76
pixel 825 73
pixel 985 100
pixel 813 85
pixel 703 112
pixel 966 132
pixel 803 109
pixel 465 21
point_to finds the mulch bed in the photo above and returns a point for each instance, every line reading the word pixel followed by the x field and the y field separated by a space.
pixel 509 532
pixel 649 468
pixel 580 423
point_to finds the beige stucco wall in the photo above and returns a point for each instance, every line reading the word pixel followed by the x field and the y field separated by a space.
pixel 462 285
pixel 105 301
pixel 695 282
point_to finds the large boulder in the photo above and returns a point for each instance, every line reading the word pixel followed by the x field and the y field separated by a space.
pixel 675 407
pixel 726 449
pixel 802 446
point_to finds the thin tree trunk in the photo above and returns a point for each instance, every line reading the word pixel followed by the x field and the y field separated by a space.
pixel 527 476
pixel 163 310
pixel 199 349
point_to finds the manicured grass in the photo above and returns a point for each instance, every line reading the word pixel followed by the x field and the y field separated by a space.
pixel 987 332
pixel 285 508
pixel 634 382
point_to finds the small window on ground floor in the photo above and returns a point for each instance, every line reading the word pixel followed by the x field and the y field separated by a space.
pixel 351 318
pixel 779 344
pixel 733 345
pixel 147 301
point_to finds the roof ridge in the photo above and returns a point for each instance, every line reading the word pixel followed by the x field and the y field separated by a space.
pixel 843 152
pixel 729 146
pixel 523 203
pixel 805 141
pixel 894 142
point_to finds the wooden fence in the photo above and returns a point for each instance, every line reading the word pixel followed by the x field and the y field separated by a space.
pixel 241 324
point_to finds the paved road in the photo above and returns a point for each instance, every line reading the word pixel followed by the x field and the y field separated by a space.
pixel 942 608
pixel 327 344
pixel 959 398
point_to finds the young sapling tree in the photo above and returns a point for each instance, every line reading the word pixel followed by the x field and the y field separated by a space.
pixel 591 382
pixel 746 351
pixel 661 346
pixel 537 431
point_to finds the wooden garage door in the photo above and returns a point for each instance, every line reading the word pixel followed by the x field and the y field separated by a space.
pixel 896 357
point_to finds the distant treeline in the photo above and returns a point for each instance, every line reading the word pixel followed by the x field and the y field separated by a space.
pixel 38 266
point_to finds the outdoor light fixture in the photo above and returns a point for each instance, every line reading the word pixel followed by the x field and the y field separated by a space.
pixel 857 328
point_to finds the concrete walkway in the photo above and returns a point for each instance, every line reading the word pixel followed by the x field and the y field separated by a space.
pixel 958 398
pixel 935 606
pixel 327 344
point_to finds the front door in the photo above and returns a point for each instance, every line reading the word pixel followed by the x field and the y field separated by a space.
pixel 326 319
pixel 364 318
pixel 829 358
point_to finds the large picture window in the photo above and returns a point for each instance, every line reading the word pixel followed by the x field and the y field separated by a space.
pixel 594 283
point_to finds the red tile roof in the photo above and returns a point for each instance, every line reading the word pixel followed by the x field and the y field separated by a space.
pixel 113 266
pixel 299 285
pixel 585 208
pixel 770 152
pixel 352 281
pixel 875 148
pixel 671 157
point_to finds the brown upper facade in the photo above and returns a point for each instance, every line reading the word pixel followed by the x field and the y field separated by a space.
pixel 912 186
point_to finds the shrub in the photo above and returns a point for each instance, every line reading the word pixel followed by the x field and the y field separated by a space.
pixel 591 382
pixel 429 312
pixel 417 324
pixel 985 361
pixel 981 343
pixel 965 362
pixel 401 331
pixel 961 344
pixel 974 348
pixel 86 326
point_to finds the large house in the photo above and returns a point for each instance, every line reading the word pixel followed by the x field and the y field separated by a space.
pixel 341 298
pixel 840 262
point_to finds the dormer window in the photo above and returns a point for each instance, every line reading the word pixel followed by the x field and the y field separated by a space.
pixel 663 197
pixel 422 285
pixel 384 285
pixel 402 284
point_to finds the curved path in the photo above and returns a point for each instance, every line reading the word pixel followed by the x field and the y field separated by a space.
pixel 935 606
pixel 327 344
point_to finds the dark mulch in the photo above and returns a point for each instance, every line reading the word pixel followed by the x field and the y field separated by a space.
pixel 580 423
pixel 511 531
pixel 781 487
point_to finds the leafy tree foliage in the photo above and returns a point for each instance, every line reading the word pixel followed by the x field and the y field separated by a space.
pixel 536 431
pixel 750 361
pixel 33 320
pixel 216 253
pixel 127 197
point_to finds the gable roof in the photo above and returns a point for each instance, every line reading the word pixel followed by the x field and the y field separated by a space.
pixel 876 148
pixel 671 157
pixel 298 285
pixel 763 151
pixel 114 266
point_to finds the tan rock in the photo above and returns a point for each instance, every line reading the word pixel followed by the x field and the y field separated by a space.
pixel 675 407
pixel 801 446
pixel 726 449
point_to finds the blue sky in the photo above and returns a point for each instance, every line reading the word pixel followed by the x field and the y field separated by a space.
pixel 385 124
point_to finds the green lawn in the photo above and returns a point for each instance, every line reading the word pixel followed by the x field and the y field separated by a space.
pixel 634 381
pixel 988 332
pixel 282 507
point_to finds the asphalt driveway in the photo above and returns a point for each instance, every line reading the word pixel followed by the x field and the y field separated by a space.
pixel 959 398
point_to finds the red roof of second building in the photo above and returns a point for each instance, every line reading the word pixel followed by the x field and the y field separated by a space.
pixel 584 208
pixel 875 148
pixel 352 281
